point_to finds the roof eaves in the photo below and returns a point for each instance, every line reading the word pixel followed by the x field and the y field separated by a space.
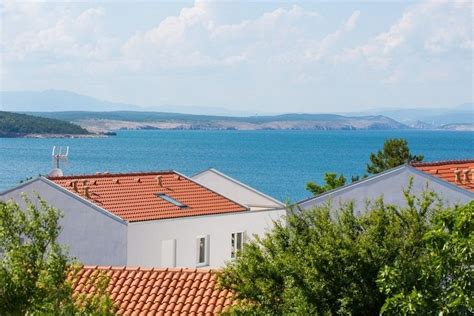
pixel 346 187
pixel 246 211
pixel 83 200
pixel 240 184
pixel 441 181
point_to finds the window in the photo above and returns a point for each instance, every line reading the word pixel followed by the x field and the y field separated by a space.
pixel 237 243
pixel 171 200
pixel 202 250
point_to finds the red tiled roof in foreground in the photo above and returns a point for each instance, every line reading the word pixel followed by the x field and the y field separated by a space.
pixel 133 196
pixel 168 291
pixel 457 172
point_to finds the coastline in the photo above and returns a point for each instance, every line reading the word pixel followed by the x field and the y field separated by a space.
pixel 18 135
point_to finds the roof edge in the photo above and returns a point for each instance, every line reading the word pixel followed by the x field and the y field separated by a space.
pixel 20 185
pixel 441 162
pixel 440 181
pixel 83 200
pixel 111 175
pixel 352 184
pixel 160 269
pixel 248 211
pixel 240 184
pixel 203 186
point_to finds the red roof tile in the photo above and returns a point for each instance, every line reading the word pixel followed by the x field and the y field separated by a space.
pixel 457 172
pixel 179 300
pixel 133 196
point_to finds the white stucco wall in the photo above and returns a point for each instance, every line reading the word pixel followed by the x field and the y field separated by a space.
pixel 390 186
pixel 145 238
pixel 234 190
pixel 92 237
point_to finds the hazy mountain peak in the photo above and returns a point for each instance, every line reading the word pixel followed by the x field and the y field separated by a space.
pixel 57 100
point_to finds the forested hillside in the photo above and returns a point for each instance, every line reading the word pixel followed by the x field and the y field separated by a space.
pixel 14 124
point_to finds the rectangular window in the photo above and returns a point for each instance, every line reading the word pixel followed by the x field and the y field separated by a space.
pixel 202 250
pixel 237 243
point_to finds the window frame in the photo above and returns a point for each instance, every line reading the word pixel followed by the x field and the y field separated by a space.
pixel 171 200
pixel 234 249
pixel 198 251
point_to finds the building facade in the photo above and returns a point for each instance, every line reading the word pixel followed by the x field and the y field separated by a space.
pixel 452 181
pixel 160 219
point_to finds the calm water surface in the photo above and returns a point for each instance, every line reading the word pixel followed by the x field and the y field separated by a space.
pixel 276 162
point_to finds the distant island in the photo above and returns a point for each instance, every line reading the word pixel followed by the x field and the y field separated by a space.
pixel 100 122
pixel 23 125
pixel 99 116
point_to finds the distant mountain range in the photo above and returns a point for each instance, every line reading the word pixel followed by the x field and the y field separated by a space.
pixel 98 115
pixel 111 121
pixel 58 100
pixel 430 117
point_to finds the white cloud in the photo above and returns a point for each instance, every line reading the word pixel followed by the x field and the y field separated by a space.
pixel 194 38
pixel 435 27
pixel 34 31
pixel 289 51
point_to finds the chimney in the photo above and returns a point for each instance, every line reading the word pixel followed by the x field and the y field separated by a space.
pixel 466 175
pixel 74 185
pixel 86 191
pixel 159 180
pixel 457 175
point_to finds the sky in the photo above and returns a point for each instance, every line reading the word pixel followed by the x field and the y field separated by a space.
pixel 249 56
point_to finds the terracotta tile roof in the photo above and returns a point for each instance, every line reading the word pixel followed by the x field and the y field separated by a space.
pixel 458 172
pixel 138 291
pixel 134 196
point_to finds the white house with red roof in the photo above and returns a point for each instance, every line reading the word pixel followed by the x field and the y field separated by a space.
pixel 452 181
pixel 154 219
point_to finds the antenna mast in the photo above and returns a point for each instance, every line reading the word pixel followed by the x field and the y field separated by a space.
pixel 59 155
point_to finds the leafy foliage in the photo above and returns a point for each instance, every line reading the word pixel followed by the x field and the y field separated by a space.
pixel 395 152
pixel 323 262
pixel 35 271
pixel 331 180
pixel 441 279
pixel 12 124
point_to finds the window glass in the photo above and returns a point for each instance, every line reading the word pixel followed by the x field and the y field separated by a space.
pixel 202 245
pixel 237 242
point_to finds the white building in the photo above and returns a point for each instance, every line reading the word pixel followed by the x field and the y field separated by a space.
pixel 452 181
pixel 157 219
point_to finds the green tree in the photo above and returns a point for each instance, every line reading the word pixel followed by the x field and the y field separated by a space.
pixel 441 280
pixel 395 152
pixel 331 180
pixel 35 271
pixel 325 261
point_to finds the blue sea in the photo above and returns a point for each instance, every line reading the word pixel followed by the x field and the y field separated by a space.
pixel 278 163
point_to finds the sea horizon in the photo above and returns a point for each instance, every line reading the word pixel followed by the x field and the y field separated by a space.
pixel 278 163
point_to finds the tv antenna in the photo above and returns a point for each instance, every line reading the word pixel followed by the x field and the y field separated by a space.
pixel 58 155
